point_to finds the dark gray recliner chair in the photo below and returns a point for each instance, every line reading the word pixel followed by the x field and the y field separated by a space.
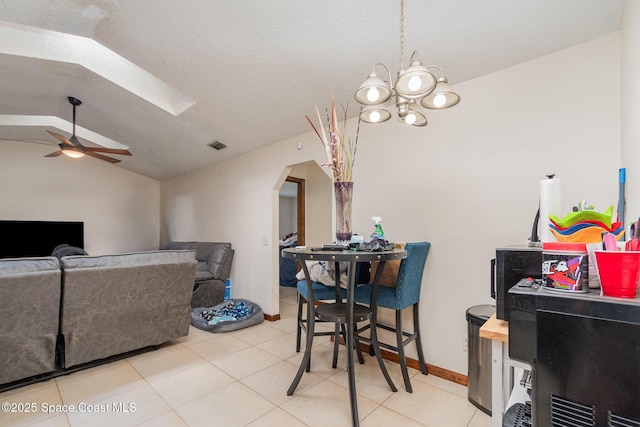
pixel 214 266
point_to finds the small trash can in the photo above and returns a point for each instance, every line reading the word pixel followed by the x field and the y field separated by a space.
pixel 479 350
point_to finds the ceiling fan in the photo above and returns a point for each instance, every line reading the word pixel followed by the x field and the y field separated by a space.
pixel 72 147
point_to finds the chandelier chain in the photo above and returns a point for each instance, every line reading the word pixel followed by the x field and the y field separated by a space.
pixel 401 33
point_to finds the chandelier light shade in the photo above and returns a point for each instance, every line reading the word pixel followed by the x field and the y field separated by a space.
pixel 416 82
pixel 373 114
pixel 414 87
pixel 409 112
pixel 442 97
pixel 374 90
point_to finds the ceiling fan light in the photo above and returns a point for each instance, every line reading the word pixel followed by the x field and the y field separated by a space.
pixel 373 91
pixel 74 154
pixel 374 115
pixel 442 97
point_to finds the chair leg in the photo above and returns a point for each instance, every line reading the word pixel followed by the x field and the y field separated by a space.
pixel 356 344
pixel 416 328
pixel 310 331
pixel 401 356
pixel 299 323
pixel 374 344
pixel 336 344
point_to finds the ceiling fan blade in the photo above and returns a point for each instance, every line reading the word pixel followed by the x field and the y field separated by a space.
pixel 55 154
pixel 109 150
pixel 101 157
pixel 60 138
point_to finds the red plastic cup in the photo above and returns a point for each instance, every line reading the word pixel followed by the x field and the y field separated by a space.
pixel 619 272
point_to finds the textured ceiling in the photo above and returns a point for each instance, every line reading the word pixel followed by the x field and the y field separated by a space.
pixel 253 67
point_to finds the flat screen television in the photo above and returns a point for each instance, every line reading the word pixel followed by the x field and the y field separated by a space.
pixel 38 238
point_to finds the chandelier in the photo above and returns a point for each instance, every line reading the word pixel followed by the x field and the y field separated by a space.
pixel 415 86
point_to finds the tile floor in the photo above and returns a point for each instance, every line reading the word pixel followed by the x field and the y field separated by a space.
pixel 239 379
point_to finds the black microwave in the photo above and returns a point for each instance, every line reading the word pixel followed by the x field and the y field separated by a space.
pixel 512 264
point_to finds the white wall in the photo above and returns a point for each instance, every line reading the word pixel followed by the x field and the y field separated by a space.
pixel 120 209
pixel 468 182
pixel 630 40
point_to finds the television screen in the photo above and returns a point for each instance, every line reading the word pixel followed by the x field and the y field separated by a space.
pixel 38 238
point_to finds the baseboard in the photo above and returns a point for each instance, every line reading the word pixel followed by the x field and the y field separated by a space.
pixel 271 318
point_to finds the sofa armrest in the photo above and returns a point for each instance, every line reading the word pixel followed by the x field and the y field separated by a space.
pixel 220 263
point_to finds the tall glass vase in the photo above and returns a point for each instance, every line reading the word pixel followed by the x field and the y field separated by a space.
pixel 343 191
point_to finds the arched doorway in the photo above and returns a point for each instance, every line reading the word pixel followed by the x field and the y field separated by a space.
pixel 314 217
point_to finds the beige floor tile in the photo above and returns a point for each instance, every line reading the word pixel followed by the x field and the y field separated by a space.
pixel 322 359
pixel 256 334
pixel 283 346
pixel 277 418
pixel 288 310
pixel 233 405
pixel 218 346
pixel 370 382
pixel 274 381
pixel 326 404
pixel 27 404
pixel 288 302
pixel 385 417
pixel 450 386
pixel 28 389
pixel 245 362
pixel 286 325
pixel 191 384
pixel 170 419
pixel 60 420
pixel 480 419
pixel 166 362
pixel 126 409
pixel 93 386
pixel 432 406
pixel 195 335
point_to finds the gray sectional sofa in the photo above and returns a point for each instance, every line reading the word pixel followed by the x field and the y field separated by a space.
pixel 61 315
pixel 29 312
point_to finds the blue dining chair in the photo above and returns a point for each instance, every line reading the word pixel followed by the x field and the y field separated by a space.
pixel 405 294
pixel 322 293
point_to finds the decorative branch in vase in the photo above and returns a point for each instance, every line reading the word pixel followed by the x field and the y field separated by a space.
pixel 341 156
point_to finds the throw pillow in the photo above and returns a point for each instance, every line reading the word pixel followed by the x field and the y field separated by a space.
pixel 389 275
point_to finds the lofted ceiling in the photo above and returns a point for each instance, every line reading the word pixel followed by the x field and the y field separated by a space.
pixel 164 78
